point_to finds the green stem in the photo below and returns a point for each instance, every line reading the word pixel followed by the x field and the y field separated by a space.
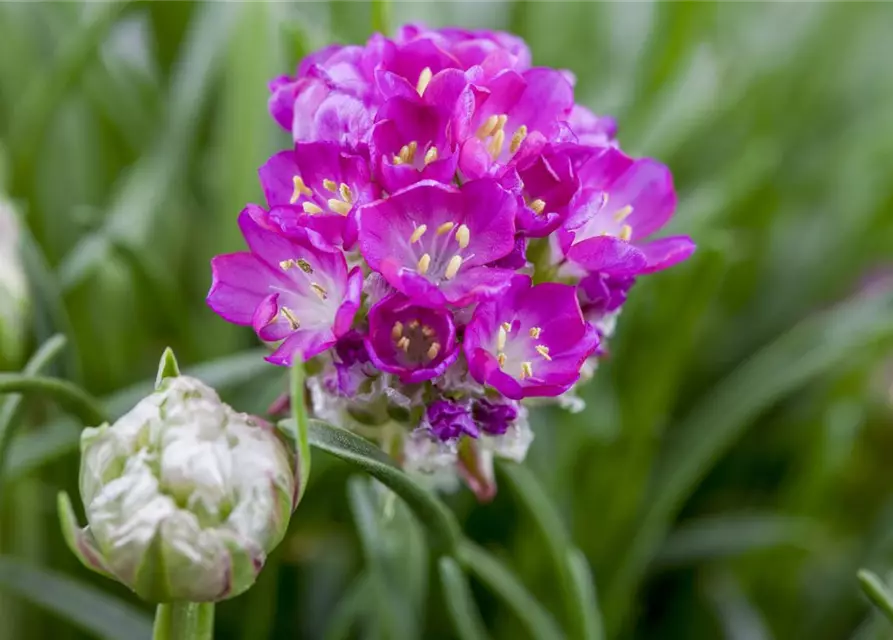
pixel 877 592
pixel 85 406
pixel 184 621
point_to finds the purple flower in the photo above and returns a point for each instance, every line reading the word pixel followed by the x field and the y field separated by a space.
pixel 494 417
pixel 319 186
pixel 296 289
pixel 431 241
pixel 601 293
pixel 622 201
pixel 592 130
pixel 521 112
pixel 415 343
pixel 530 341
pixel 547 184
pixel 494 51
pixel 448 420
pixel 410 143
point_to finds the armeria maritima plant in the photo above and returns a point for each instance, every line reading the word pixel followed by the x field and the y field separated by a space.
pixel 450 236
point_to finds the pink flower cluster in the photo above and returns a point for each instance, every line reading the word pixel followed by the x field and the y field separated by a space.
pixel 449 235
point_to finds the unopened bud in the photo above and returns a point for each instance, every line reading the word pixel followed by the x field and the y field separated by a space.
pixel 184 496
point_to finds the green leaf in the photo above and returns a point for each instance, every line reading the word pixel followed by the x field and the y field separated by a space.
pixel 460 602
pixel 815 347
pixel 167 367
pixel 80 604
pixel 38 447
pixel 584 586
pixel 349 608
pixel 541 510
pixel 81 403
pixel 503 583
pixel 11 408
pixel 877 592
pixel 443 530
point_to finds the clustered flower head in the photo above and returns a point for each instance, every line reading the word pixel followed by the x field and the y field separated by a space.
pixel 450 235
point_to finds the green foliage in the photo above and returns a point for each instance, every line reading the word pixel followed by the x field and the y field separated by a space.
pixel 730 474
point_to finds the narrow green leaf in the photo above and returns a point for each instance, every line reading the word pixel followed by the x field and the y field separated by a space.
pixel 167 367
pixel 69 395
pixel 816 346
pixel 503 583
pixel 31 120
pixel 11 408
pixel 85 606
pixel 584 585
pixel 390 608
pixel 877 592
pixel 351 606
pixel 460 602
pixel 38 447
pixel 443 530
pixel 541 510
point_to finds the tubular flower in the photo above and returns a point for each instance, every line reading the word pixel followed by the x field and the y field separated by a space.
pixel 450 235
pixel 184 497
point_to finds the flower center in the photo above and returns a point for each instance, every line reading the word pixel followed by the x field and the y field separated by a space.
pixel 317 308
pixel 417 341
pixel 493 129
pixel 408 155
pixel 340 205
pixel 515 352
pixel 607 222
pixel 440 260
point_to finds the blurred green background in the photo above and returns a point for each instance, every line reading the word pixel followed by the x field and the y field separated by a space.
pixel 732 469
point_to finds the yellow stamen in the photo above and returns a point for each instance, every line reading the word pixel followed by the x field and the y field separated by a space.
pixel 537 206
pixel 300 189
pixel 500 358
pixel 414 323
pixel 507 327
pixel 463 236
pixel 285 265
pixel 626 232
pixel 496 144
pixel 526 370
pixel 424 79
pixel 433 350
pixel 293 321
pixel 453 267
pixel 311 208
pixel 339 206
pixel 487 128
pixel 321 293
pixel 535 332
pixel 446 227
pixel 330 185
pixel 397 160
pixel 427 331
pixel 623 214
pixel 346 193
pixel 305 266
pixel 403 343
pixel 424 263
pixel 407 152
pixel 418 233
pixel 500 122
pixel 543 350
pixel 518 138
pixel 397 331
pixel 431 155
pixel 500 339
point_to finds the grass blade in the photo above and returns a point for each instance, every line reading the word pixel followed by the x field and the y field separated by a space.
pixel 460 602
pixel 84 606
pixel 877 592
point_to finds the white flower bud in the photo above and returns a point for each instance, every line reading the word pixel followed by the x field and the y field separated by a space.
pixel 184 496
pixel 14 299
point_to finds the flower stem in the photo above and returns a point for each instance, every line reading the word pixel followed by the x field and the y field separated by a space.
pixel 184 621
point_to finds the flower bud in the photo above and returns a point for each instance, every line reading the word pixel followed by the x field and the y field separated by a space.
pixel 184 496
pixel 14 299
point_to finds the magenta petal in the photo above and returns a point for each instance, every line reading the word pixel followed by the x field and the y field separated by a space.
pixel 239 283
pixel 608 254
pixel 665 252
pixel 350 306
pixel 476 284
pixel 304 344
